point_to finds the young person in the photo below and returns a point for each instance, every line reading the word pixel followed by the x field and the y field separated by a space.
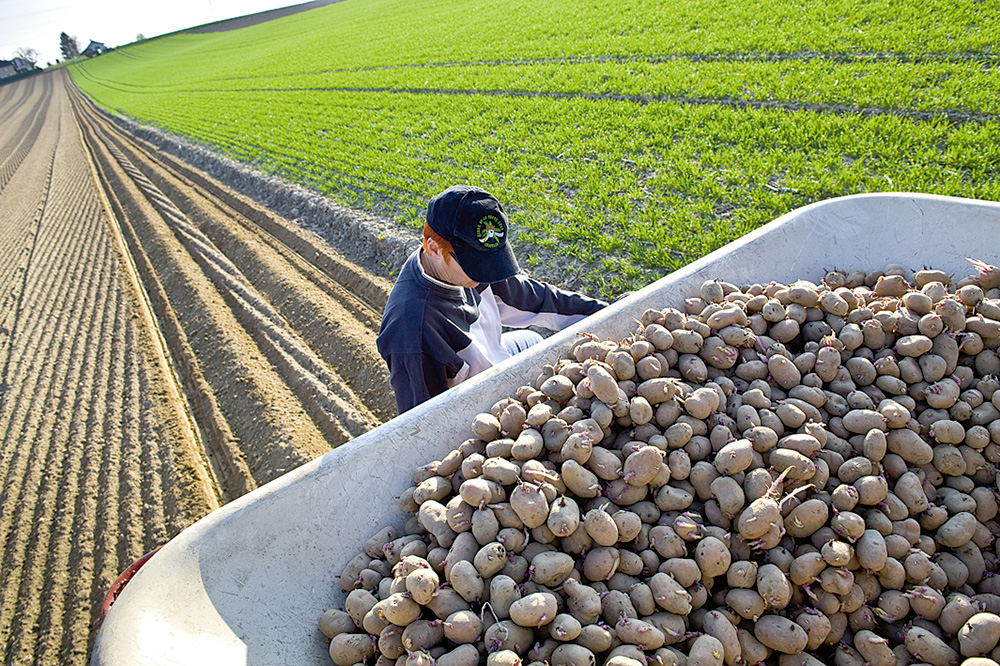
pixel 445 315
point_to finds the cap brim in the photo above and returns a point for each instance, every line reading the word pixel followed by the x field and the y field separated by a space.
pixel 486 267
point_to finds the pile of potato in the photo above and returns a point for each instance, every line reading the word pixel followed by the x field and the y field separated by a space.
pixel 793 474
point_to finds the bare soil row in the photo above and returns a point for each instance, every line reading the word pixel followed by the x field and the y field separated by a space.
pixel 166 345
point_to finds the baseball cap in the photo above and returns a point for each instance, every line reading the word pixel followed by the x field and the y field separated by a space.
pixel 475 224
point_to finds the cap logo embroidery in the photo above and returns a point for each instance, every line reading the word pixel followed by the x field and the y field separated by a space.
pixel 490 232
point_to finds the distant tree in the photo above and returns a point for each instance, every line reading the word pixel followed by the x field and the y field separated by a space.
pixel 69 46
pixel 29 54
pixel 140 37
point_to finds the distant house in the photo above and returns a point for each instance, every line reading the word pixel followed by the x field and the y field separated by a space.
pixel 7 69
pixel 22 65
pixel 94 48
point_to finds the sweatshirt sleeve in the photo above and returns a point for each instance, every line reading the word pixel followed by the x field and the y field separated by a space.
pixel 524 301
pixel 415 378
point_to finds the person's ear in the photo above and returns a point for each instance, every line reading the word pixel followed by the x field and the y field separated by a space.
pixel 433 248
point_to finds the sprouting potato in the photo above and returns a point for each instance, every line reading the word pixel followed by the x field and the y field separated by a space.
pixel 718 625
pixel 350 649
pixel 490 559
pixel 507 635
pixel 752 650
pixel 729 494
pixel 958 530
pixel 634 631
pixel 684 571
pixel 746 603
pixel 564 516
pixel 334 621
pixel 797 465
pixel 831 447
pixel 583 601
pixel 979 635
pixel 927 647
pixel 806 518
pixel 390 642
pixel 706 651
pixel 670 595
pixel 463 655
pixel 870 550
pixel 773 586
pixel 565 627
pixel 358 603
pixel 422 635
pixel 601 527
pixel 530 504
pixel 781 634
pixel 712 556
pixel 642 466
pixel 570 654
pixel 462 626
pixel 504 591
pixel 874 648
pixel 817 626
pixel 734 457
pixel 601 563
pixel 465 579
pixel 534 610
pixel 422 585
pixel 551 568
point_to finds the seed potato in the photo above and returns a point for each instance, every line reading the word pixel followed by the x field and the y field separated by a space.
pixel 829 446
pixel 350 649
pixel 979 635
pixel 781 634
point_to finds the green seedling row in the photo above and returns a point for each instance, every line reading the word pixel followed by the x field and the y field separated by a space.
pixel 627 139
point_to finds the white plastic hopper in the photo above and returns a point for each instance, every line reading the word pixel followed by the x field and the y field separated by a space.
pixel 246 584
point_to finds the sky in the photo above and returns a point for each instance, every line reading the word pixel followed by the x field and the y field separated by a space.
pixel 37 23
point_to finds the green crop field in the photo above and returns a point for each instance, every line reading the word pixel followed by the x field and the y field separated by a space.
pixel 630 137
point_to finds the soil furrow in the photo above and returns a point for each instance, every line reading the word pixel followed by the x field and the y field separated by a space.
pixel 16 134
pixel 26 87
pixel 370 291
pixel 237 371
pixel 75 391
pixel 153 323
pixel 60 340
pixel 23 215
pixel 7 103
pixel 269 265
pixel 195 490
pixel 122 437
pixel 261 317
pixel 62 476
pixel 69 541
pixel 146 466
pixel 32 531
pixel 161 478
pixel 318 311
pixel 70 290
pixel 233 473
pixel 24 139
pixel 16 403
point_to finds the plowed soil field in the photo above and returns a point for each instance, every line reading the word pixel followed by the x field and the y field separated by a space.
pixel 166 345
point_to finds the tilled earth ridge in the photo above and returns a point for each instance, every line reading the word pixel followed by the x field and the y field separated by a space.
pixel 89 478
pixel 165 345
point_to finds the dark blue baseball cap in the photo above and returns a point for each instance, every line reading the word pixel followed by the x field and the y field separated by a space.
pixel 475 224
